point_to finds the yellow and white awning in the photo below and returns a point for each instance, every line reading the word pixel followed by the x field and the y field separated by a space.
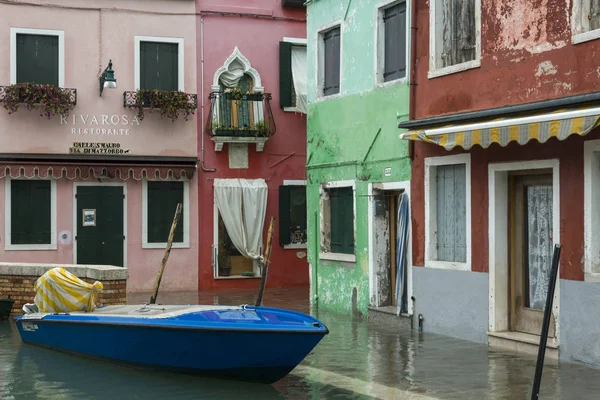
pixel 541 127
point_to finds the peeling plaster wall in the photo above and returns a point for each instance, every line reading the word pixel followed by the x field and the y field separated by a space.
pixel 340 133
pixel 526 55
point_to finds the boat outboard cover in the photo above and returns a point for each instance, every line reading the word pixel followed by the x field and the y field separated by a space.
pixel 58 290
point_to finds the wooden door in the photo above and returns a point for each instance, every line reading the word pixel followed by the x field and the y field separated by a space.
pixel 530 213
pixel 100 236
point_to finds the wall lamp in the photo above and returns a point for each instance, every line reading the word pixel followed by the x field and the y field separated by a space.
pixel 107 79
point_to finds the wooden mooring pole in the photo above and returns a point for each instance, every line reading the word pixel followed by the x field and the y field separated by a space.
pixel 167 252
pixel 265 266
pixel 535 392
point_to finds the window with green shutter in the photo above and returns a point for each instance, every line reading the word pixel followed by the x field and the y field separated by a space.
pixel 341 201
pixel 37 59
pixel 162 202
pixel 394 33
pixel 292 215
pixel 159 66
pixel 331 61
pixel 30 211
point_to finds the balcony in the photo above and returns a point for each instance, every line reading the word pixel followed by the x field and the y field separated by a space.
pixel 169 104
pixel 240 118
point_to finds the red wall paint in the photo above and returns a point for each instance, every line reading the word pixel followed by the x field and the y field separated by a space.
pixel 570 156
pixel 526 56
pixel 258 40
pixel 514 69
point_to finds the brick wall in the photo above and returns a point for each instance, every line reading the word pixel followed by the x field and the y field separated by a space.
pixel 20 289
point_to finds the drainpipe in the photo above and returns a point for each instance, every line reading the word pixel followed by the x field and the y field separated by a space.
pixel 413 83
pixel 202 95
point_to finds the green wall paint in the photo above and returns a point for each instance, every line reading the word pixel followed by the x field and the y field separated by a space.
pixel 341 135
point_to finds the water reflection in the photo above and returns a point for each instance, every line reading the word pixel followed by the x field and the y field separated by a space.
pixel 357 360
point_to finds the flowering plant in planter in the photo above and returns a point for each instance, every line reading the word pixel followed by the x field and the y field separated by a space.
pixel 51 99
pixel 171 104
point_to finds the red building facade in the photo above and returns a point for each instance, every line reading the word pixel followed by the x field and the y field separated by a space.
pixel 505 151
pixel 253 142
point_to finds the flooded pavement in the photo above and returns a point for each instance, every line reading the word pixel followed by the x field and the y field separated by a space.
pixel 357 360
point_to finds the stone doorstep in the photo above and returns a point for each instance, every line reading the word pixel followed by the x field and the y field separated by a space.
pixel 523 343
pixel 387 315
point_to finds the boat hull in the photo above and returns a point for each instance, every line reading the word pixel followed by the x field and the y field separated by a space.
pixel 258 355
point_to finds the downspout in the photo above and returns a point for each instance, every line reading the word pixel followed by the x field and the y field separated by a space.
pixel 202 94
pixel 413 83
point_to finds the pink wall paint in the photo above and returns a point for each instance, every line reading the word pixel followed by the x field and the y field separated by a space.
pixel 26 132
pixel 83 65
pixel 258 40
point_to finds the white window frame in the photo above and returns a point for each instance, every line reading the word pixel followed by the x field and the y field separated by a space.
pixel 434 70
pixel 591 175
pixel 380 43
pixel 295 245
pixel 295 42
pixel 47 32
pixel 8 217
pixel 185 220
pixel 430 218
pixel 324 200
pixel 578 33
pixel 320 60
pixel 75 226
pixel 160 39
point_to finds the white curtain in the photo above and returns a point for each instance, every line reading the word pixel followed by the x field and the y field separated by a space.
pixel 232 76
pixel 299 76
pixel 243 207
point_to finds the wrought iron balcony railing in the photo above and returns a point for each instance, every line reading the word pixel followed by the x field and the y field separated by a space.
pixel 130 99
pixel 233 114
pixel 72 93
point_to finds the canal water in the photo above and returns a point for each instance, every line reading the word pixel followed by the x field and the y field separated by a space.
pixel 357 360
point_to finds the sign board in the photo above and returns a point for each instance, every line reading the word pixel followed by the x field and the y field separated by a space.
pixel 97 148
pixel 387 172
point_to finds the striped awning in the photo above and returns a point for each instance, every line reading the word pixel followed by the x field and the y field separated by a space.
pixel 541 127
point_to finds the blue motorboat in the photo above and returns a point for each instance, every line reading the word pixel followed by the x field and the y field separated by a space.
pixel 259 344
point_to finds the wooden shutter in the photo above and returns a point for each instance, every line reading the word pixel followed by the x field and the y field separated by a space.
pixel 298 216
pixel 451 226
pixel 284 215
pixel 162 202
pixel 465 30
pixel 394 20
pixel 286 81
pixel 447 56
pixel 30 212
pixel 159 66
pixel 37 59
pixel 594 14
pixel 331 50
pixel 342 220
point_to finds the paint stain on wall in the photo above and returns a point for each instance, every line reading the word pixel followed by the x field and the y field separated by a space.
pixel 545 68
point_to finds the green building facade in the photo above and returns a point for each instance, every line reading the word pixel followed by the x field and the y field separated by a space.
pixel 357 167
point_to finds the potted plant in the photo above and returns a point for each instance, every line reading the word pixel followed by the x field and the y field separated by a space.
pixel 261 129
pixel 171 104
pixel 50 99
pixel 6 305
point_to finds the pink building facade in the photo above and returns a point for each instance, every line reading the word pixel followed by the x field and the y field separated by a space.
pixel 100 185
pixel 252 131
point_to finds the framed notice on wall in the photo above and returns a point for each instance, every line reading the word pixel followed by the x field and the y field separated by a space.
pixel 89 217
